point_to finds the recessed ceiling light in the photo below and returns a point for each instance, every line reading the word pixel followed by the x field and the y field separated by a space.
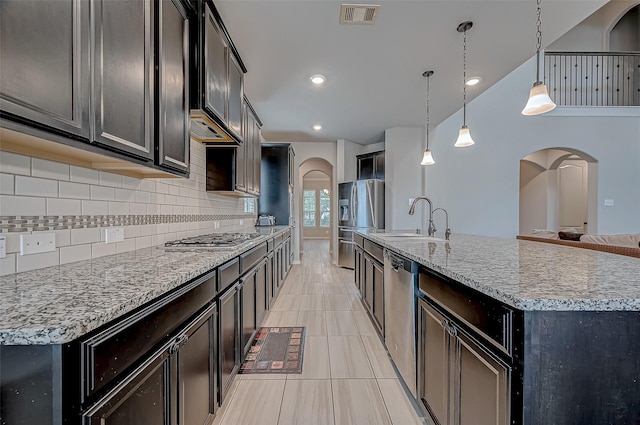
pixel 318 79
pixel 317 127
pixel 473 81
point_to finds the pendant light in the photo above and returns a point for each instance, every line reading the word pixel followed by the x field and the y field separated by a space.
pixel 464 138
pixel 539 101
pixel 427 159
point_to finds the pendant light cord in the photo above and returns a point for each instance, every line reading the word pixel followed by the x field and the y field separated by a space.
pixel 539 42
pixel 427 134
pixel 464 79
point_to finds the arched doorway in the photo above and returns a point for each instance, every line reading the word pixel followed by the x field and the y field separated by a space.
pixel 558 191
pixel 623 33
pixel 316 168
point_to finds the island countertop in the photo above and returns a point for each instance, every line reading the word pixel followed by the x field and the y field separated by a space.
pixel 55 305
pixel 527 275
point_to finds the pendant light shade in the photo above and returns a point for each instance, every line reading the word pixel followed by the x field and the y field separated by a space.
pixel 464 138
pixel 539 101
pixel 427 159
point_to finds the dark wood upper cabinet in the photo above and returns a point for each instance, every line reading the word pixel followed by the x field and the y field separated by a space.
pixel 44 71
pixel 236 96
pixel 370 165
pixel 123 75
pixel 214 65
pixel 173 142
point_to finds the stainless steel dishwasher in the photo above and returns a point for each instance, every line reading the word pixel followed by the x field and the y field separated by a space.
pixel 400 280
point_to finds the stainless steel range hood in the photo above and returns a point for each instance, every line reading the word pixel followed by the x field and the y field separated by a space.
pixel 207 131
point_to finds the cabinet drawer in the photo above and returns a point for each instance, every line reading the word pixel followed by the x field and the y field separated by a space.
pixel 252 257
pixel 490 318
pixel 109 353
pixel 359 240
pixel 228 273
pixel 374 250
pixel 278 239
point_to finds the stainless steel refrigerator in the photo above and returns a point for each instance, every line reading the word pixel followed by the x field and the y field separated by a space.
pixel 360 206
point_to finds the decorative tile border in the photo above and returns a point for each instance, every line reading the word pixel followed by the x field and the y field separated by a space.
pixel 23 223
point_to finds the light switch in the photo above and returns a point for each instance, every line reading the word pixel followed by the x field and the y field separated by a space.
pixel 113 234
pixel 37 242
pixel 3 247
pixel 608 202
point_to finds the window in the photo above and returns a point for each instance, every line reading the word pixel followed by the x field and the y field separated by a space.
pixel 309 208
pixel 325 208
pixel 316 203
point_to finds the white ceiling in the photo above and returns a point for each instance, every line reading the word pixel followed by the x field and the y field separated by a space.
pixel 374 73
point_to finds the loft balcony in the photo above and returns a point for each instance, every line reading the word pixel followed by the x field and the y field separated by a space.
pixel 593 79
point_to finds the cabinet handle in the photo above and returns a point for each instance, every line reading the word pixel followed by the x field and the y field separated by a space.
pixel 452 331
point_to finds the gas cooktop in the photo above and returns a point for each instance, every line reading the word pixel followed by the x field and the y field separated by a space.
pixel 213 240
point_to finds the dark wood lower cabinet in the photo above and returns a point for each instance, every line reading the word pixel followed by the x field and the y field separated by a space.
pixel 176 385
pixel 229 338
pixel 248 297
pixel 143 398
pixel 262 292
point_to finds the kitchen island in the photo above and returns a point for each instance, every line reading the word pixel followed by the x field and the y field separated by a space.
pixel 140 336
pixel 553 331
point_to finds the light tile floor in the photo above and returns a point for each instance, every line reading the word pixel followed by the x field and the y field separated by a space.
pixel 347 376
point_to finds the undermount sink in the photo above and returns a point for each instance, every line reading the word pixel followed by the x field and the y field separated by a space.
pixel 409 236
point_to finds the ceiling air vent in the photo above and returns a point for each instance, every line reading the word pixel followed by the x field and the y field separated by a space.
pixel 359 13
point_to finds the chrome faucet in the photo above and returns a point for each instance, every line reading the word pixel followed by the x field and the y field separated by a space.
pixel 447 232
pixel 432 228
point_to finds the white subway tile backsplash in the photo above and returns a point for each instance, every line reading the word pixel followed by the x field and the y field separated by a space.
pixel 162 228
pixel 33 186
pixel 118 208
pixel 125 195
pixel 137 209
pixel 103 193
pixel 63 237
pixel 13 163
pixel 174 190
pixel 74 253
pixel 132 232
pixel 7 184
pixel 101 249
pixel 148 185
pixel 144 197
pixel 8 264
pixel 85 236
pixel 95 207
pixel 162 187
pixel 56 206
pixel 84 175
pixel 126 246
pixel 13 241
pixel 21 205
pixel 153 209
pixel 148 229
pixel 49 169
pixel 25 263
pixel 108 179
pixel 131 182
pixel 170 199
pixel 74 190
pixel 143 242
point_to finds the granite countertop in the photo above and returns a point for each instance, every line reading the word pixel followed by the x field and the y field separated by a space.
pixel 529 275
pixel 58 304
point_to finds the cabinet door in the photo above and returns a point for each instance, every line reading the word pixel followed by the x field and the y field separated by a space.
pixel 433 363
pixel 236 96
pixel 357 272
pixel 262 293
pixel 215 67
pixel 270 281
pixel 378 296
pixel 173 141
pixel 241 167
pixel 142 398
pixel 123 75
pixel 229 356
pixel 483 387
pixel 44 71
pixel 248 298
pixel 250 151
pixel 365 167
pixel 257 157
pixel 197 375
pixel 368 283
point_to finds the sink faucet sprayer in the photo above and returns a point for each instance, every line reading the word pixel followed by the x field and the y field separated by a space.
pixel 447 232
pixel 432 228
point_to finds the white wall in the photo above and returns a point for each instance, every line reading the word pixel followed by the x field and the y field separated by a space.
pixel 479 185
pixel 592 33
pixel 404 177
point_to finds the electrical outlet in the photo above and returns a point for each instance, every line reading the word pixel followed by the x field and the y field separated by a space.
pixel 241 222
pixel 37 243
pixel 216 224
pixel 113 234
pixel 3 247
